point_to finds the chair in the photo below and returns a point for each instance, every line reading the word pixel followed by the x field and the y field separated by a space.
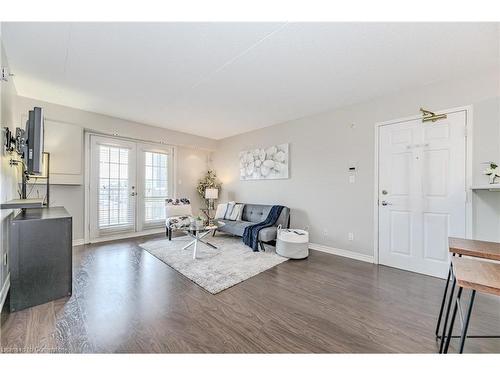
pixel 178 215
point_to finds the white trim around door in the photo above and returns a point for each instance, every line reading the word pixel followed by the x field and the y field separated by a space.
pixel 468 171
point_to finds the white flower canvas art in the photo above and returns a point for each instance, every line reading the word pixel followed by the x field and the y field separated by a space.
pixel 264 163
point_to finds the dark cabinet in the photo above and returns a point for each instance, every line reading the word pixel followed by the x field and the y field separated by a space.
pixel 40 256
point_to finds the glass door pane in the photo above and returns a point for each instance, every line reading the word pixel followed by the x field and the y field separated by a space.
pixel 112 187
pixel 156 187
pixel 114 202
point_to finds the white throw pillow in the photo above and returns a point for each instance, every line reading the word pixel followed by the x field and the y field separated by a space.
pixel 221 211
pixel 237 212
pixel 229 210
pixel 240 214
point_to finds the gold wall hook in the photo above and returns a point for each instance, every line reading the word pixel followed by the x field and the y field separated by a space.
pixel 431 116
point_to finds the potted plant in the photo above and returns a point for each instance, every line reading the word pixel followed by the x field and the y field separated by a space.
pixel 209 181
pixel 492 171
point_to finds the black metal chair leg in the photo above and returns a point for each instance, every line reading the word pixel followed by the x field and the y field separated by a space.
pixel 262 246
pixel 166 231
pixel 213 234
pixel 170 234
pixel 447 314
pixel 466 322
pixel 443 301
pixel 452 322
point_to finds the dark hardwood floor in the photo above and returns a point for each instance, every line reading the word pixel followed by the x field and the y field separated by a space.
pixel 126 300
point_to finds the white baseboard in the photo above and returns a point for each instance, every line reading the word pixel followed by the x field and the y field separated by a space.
pixel 127 235
pixel 342 253
pixel 79 242
pixel 4 291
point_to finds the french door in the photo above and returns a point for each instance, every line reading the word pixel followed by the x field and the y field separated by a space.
pixel 422 192
pixel 129 182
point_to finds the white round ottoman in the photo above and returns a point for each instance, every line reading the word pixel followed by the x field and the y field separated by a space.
pixel 292 243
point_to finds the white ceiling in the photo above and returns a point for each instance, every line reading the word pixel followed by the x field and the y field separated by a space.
pixel 222 79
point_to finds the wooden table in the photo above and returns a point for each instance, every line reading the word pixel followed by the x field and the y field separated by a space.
pixel 478 276
pixel 462 247
pixel 474 248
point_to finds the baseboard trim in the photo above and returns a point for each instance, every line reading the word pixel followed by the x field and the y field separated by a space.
pixel 79 242
pixel 4 291
pixel 127 235
pixel 342 252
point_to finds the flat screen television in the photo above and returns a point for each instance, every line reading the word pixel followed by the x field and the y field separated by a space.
pixel 34 141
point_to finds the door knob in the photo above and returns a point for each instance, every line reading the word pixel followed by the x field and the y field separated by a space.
pixel 385 203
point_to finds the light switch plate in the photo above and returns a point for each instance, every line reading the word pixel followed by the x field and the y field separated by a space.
pixel 352 179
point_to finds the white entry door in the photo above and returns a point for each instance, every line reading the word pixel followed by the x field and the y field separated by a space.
pixel 129 182
pixel 422 192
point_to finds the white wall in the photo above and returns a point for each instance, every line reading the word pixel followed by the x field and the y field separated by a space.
pixel 8 174
pixel 192 153
pixel 323 145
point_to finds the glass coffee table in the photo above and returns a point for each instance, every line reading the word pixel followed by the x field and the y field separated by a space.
pixel 197 233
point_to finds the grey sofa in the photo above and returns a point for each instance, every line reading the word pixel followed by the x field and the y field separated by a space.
pixel 253 214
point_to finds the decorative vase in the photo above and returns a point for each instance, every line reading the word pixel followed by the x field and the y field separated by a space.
pixel 198 223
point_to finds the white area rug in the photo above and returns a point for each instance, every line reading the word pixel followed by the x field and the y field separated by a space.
pixel 214 269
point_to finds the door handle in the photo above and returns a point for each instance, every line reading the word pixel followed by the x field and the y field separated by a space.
pixel 133 194
pixel 385 203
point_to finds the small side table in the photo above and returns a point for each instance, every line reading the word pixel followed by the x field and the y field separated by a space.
pixel 292 243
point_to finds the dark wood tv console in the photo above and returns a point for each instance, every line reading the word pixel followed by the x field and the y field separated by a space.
pixel 40 256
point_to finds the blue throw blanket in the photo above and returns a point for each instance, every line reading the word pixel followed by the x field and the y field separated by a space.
pixel 251 233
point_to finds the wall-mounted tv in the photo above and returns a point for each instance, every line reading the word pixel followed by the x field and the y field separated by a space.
pixel 34 142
